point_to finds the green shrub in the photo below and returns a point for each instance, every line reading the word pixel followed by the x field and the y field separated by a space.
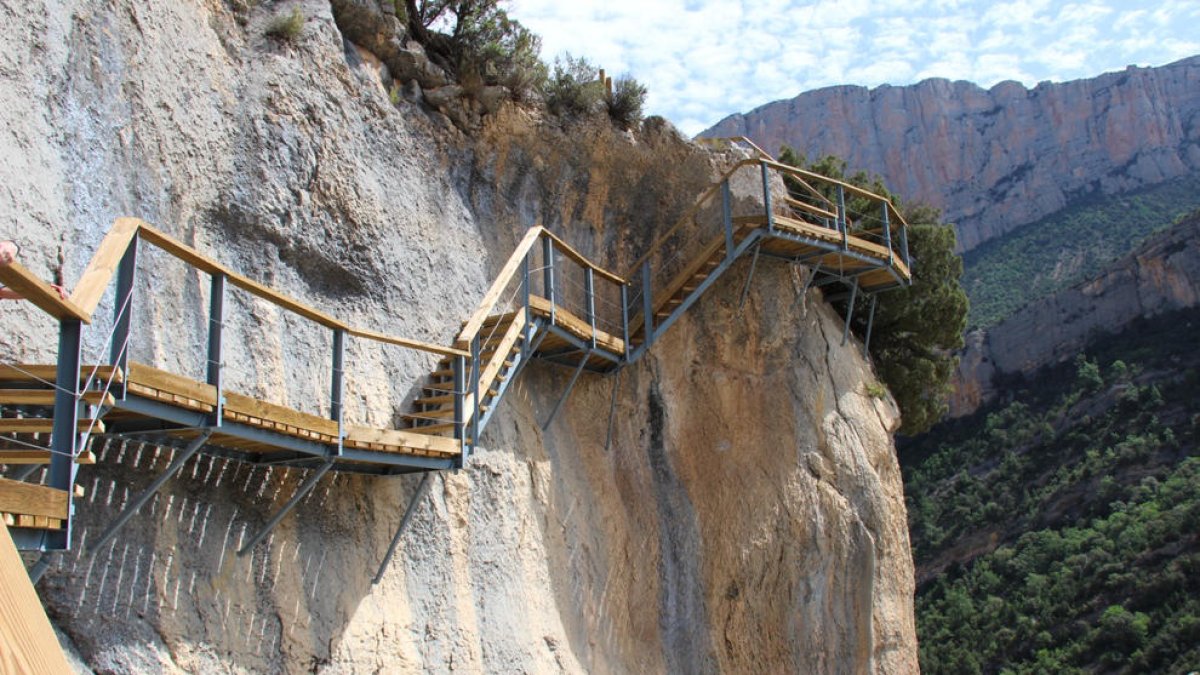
pixel 574 89
pixel 286 27
pixel 626 101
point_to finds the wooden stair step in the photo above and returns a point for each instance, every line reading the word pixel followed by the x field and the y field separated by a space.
pixel 30 456
pixel 43 425
pixel 432 414
pixel 450 387
pixel 433 428
pixel 45 397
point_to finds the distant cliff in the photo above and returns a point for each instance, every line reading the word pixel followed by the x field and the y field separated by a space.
pixel 1162 275
pixel 999 158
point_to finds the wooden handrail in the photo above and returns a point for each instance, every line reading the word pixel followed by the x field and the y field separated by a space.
pixel 815 210
pixel 32 288
pixel 103 265
pixel 579 258
pixel 488 303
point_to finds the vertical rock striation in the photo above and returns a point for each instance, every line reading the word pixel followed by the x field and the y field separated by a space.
pixel 747 516
pixel 999 158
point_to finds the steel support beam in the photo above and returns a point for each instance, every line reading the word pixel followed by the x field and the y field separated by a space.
pixel 139 501
pixel 749 277
pixel 567 392
pixel 870 324
pixel 304 489
pixel 850 311
pixel 404 521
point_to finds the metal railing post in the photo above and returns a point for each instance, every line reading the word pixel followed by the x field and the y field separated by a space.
pixel 766 186
pixel 527 329
pixel 887 233
pixel 647 306
pixel 589 288
pixel 625 319
pixel 64 439
pixel 459 393
pixel 841 214
pixel 216 326
pixel 336 385
pixel 476 404
pixel 548 273
pixel 727 217
pixel 123 314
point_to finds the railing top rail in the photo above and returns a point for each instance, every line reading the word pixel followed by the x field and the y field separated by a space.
pixel 15 276
pixel 894 216
pixel 99 272
pixel 579 258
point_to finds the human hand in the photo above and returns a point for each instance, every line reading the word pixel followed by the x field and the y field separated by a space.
pixel 62 292
pixel 8 252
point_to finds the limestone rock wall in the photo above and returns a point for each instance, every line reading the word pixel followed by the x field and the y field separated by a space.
pixel 747 515
pixel 999 158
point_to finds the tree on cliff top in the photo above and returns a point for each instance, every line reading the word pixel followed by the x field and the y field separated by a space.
pixel 916 329
pixel 477 42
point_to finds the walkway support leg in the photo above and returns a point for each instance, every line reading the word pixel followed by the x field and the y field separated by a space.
pixel 570 385
pixel 870 324
pixel 304 489
pixel 749 277
pixel 141 499
pixel 850 310
pixel 408 514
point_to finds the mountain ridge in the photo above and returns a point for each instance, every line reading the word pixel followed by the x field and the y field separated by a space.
pixel 994 159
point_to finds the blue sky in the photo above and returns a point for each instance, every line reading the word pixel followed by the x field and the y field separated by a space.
pixel 705 59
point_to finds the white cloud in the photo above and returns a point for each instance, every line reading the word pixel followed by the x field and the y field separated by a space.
pixel 704 59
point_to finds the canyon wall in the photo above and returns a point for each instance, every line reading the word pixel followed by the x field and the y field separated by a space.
pixel 1162 275
pixel 747 515
pixel 996 159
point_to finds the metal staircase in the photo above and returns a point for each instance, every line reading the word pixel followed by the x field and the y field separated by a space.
pixel 549 303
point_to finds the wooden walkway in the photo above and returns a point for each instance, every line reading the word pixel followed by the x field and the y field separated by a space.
pixel 549 303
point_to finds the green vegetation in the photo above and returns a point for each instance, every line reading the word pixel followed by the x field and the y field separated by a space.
pixel 916 328
pixel 575 88
pixel 477 43
pixel 1057 531
pixel 1004 274
pixel 626 101
pixel 286 27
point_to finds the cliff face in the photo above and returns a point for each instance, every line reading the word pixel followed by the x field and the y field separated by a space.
pixel 996 159
pixel 747 516
pixel 1162 275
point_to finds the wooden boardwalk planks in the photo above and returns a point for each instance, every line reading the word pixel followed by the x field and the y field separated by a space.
pixel 27 640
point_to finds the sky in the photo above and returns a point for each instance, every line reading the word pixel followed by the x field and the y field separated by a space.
pixel 704 59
